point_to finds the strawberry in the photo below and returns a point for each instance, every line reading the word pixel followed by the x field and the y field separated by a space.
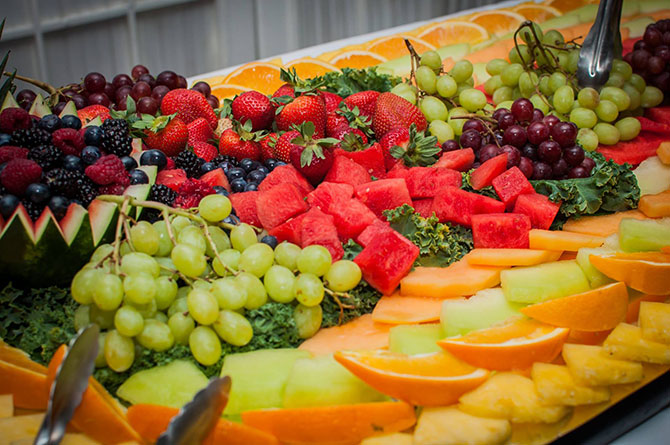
pixel 342 132
pixel 231 143
pixel 412 146
pixel 268 145
pixel 334 122
pixel 87 114
pixel 189 105
pixel 199 131
pixel 284 90
pixel 166 133
pixel 394 111
pixel 365 101
pixel 311 157
pixel 254 106
pixel 306 108
pixel 205 151
pixel 282 150
pixel 331 100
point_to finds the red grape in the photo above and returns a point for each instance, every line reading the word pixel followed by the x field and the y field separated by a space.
pixel 58 108
pixel 515 135
pixel 140 89
pixel 578 172
pixel 213 101
pixel 640 44
pixel 474 124
pixel 663 52
pixel 168 78
pixel 181 82
pixel 138 70
pixel 122 80
pixel 662 82
pixel 471 139
pixel 559 168
pixel 573 155
pixel 147 105
pixel 564 133
pixel 522 109
pixel 487 152
pixel 513 155
pixel 666 38
pixel 588 164
pixel 99 99
pixel 529 151
pixel 109 90
pixel 526 167
pixel 541 170
pixel 79 101
pixel 551 120
pixel 537 132
pixel 25 98
pixel 148 78
pixel 499 112
pixel 159 91
pixel 202 87
pixel 655 65
pixel 94 82
pixel 505 121
pixel 639 59
pixel 450 145
pixel 538 115
pixel 652 36
pixel 549 152
pixel 121 94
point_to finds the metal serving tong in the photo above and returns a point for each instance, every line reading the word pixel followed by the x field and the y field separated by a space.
pixel 69 386
pixel 601 46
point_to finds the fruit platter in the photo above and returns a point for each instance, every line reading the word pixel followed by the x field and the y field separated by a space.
pixel 435 236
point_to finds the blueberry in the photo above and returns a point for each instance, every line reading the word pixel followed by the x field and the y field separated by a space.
pixel 90 154
pixel 2 166
pixel 58 206
pixel 235 173
pixel 138 177
pixel 220 190
pixel 37 193
pixel 238 185
pixel 4 139
pixel 262 168
pixel 269 240
pixel 247 164
pixel 251 187
pixel 154 157
pixel 280 163
pixel 271 163
pixel 73 163
pixel 93 136
pixel 225 165
pixel 8 204
pixel 256 176
pixel 207 167
pixel 50 123
pixel 231 219
pixel 71 121
pixel 129 163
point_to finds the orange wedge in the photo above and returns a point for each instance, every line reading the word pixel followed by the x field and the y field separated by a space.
pixel 397 309
pixel 515 345
pixel 453 31
pixel 357 59
pixel 307 67
pixel 498 21
pixel 665 249
pixel 226 91
pixel 392 47
pixel 568 5
pixel 537 13
pixel 361 333
pixel 435 379
pixel 594 310
pixel 647 272
pixel 259 76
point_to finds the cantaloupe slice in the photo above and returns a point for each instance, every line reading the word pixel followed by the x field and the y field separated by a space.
pixel 6 406
pixel 511 257
pixel 28 387
pixel 361 333
pixel 663 152
pixel 560 240
pixel 603 225
pixel 398 309
pixel 656 206
pixel 18 357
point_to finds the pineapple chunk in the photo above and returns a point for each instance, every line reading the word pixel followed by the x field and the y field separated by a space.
pixel 625 342
pixel 20 427
pixel 6 406
pixel 590 365
pixel 389 439
pixel 450 426
pixel 655 321
pixel 510 396
pixel 555 385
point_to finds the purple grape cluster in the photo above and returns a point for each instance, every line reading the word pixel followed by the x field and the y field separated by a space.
pixel 650 57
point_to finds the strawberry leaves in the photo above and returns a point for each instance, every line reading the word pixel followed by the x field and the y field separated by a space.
pixel 421 150
pixel 363 123
pixel 313 148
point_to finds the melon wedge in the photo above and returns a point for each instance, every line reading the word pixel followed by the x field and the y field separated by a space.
pixel 656 206
pixel 511 257
pixel 603 225
pixel 543 282
pixel 361 333
pixel 559 240
pixel 398 309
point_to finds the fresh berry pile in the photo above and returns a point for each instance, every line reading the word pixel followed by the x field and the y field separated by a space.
pixel 650 57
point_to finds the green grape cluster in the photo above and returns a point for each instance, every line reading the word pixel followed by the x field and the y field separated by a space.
pixel 188 280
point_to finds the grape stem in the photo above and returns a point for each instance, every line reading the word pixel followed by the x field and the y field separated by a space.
pixel 415 60
pixel 208 235
pixel 125 201
pixel 336 297
pixel 168 226
pixel 38 83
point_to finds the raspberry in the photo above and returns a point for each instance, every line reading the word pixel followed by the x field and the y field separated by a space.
pixel 112 189
pixel 19 174
pixel 69 140
pixel 9 152
pixel 191 192
pixel 107 170
pixel 12 119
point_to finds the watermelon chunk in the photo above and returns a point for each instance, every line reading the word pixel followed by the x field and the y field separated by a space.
pixel 398 172
pixel 500 231
pixel 290 231
pixel 484 175
pixel 346 171
pixel 460 160
pixel 172 178
pixel 372 231
pixel 423 207
pixel 351 218
pixel 384 194
pixel 539 209
pixel 329 192
pixel 278 204
pixel 386 260
pixel 216 177
pixel 371 159
pixel 286 174
pixel 455 205
pixel 510 184
pixel 633 152
pixel 654 126
pixel 659 114
pixel 245 207
pixel 425 182
pixel 318 228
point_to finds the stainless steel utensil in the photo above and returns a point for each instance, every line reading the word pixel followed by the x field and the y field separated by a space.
pixel 601 46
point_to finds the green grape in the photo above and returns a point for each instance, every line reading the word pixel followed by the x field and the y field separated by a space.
pixel 562 59
pixel 540 103
pixel 180 304
pixel 108 294
pixel 256 294
pixel 193 236
pixel 587 139
pixel 432 60
pixel 634 95
pixel 544 87
pixel 521 56
pixel 137 262
pixel 202 284
pixel 651 97
pixel 279 282
pixel 343 276
pixel 140 288
pixel 557 80
pixel 233 328
pixel 202 306
pixel 462 87
pixel 307 320
pixel 433 108
pixel 553 37
pixel 125 248
pixel 441 130
pixel 128 321
pixel 183 291
pixel 401 88
pixel 472 99
pixel 529 35
pixel 426 79
pixel 230 258
pixel 179 223
pixel 462 71
pixel 588 98
pixel 607 110
pixel 457 124
pixel 164 241
pixel 229 293
pixel 147 310
pixel 104 319
pixel 286 254
pixel 617 96
pixel 527 83
pixel 242 236
pixel 544 58
pixel 507 104
pixel 82 317
pixel 160 316
pixel 84 283
pixel 144 238
pixel 100 361
pixel 495 66
pixel 166 292
pixel 615 80
pixel 156 335
pixel 573 60
pixel 314 259
pixel 516 93
pixel 563 99
pixel 446 86
pixel 214 207
pixel 510 75
pixel 608 134
pixel 257 259
pixel 628 127
pixel 638 82
pixel 575 104
pixel 308 289
pixel 622 68
pixel 188 260
pixel 492 84
pixel 119 351
pixel 502 94
pixel 583 117
pixel 205 345
pixel 408 96
pixel 181 326
pixel 220 239
pixel 102 251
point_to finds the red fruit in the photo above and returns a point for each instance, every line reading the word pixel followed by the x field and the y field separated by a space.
pixel 385 194
pixel 112 189
pixel 539 209
pixel 500 231
pixel 330 100
pixel 107 170
pixel 171 139
pixel 172 178
pixel 278 204
pixel 318 228
pixel 426 182
pixel 68 140
pixel 334 122
pixel 423 207
pixel 268 146
pixel 351 218
pixel 393 111
pixel 12 119
pixel 9 152
pixel 232 144
pixel 290 231
pixel 170 163
pixel 373 231
pixel 283 146
pixel 398 136
pixel 254 106
pixel 370 158
pixel 19 174
pixel 284 90
pixel 286 174
pixel 460 160
pixel 87 114
pixel 205 151
pixel 346 171
pixel 189 105
pixel 245 207
pixel 216 177
pixel 366 102
pixel 311 157
pixel 191 192
pixel 484 175
pixel 510 185
pixel 328 193
pixel 455 205
pixel 199 131
pixel 357 141
pixel 306 108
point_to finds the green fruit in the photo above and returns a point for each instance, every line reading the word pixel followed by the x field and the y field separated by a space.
pixel 543 282
pixel 415 339
pixel 484 309
pixel 643 235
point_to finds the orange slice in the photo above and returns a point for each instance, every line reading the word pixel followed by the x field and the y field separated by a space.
pixel 647 272
pixel 259 76
pixel 435 379
pixel 392 47
pixel 362 333
pixel 537 13
pixel 307 67
pixel 454 31
pixel 594 310
pixel 515 345
pixel 498 21
pixel 568 5
pixel 397 309
pixel 357 59
pixel 226 91
pixel 665 249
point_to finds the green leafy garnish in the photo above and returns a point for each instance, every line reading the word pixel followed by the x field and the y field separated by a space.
pixel 467 186
pixel 349 81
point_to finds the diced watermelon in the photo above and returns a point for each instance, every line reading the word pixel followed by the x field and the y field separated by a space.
pixel 245 207
pixel 460 160
pixel 423 207
pixel 455 205
pixel 216 177
pixel 371 159
pixel 658 114
pixel 290 231
pixel 286 174
pixel 372 231
pixel 539 209
pixel 398 172
pixel 318 228
pixel 424 182
pixel 172 178
pixel 346 171
pixel 500 231
pixel 327 193
pixel 652 126
pixel 350 218
pixel 383 195
pixel 485 174
pixel 510 184
pixel 386 260
pixel 277 205
pixel 634 152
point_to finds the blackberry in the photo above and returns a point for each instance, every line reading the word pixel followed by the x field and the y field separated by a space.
pixel 48 156
pixel 34 210
pixel 87 191
pixel 30 138
pixel 115 137
pixel 159 193
pixel 64 182
pixel 223 158
pixel 189 162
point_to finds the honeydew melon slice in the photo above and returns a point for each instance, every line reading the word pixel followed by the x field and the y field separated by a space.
pixel 69 110
pixel 482 310
pixel 644 235
pixel 9 102
pixel 415 339
pixel 39 107
pixel 543 282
